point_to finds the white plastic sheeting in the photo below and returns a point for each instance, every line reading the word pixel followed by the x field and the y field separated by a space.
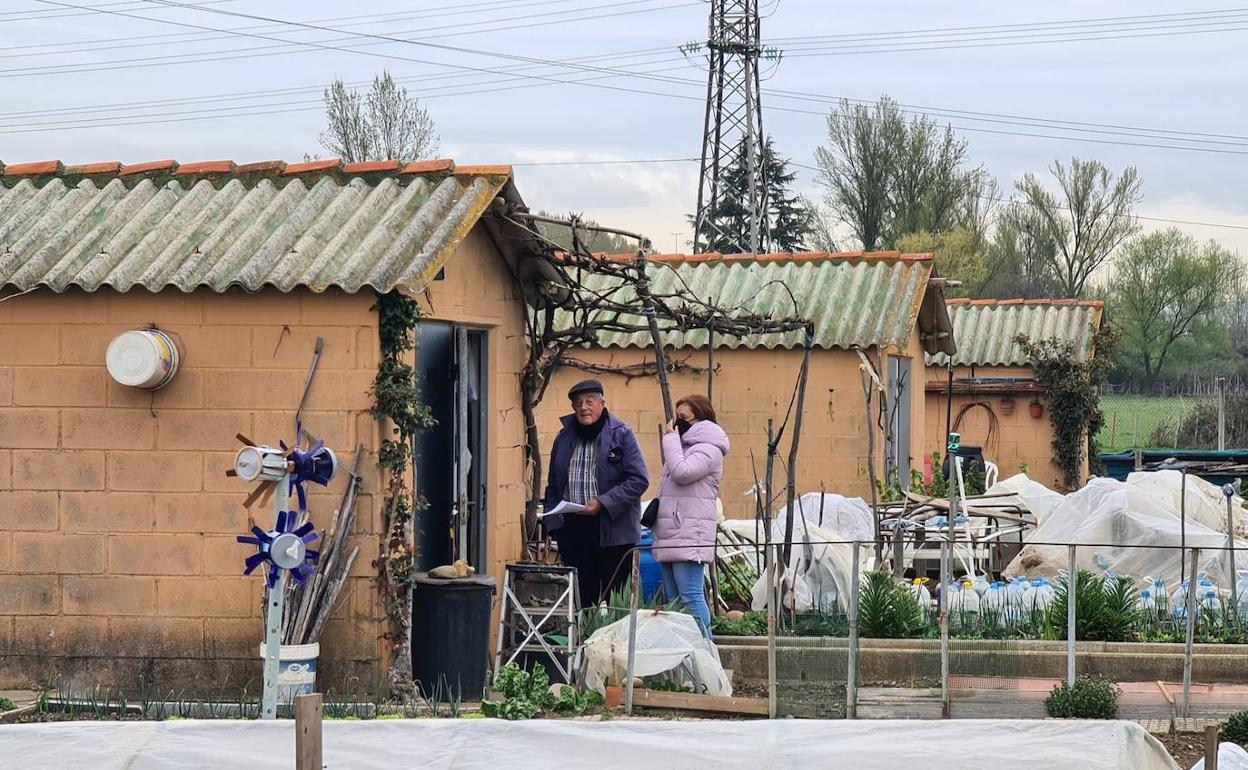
pixel 818 575
pixel 666 642
pixel 1027 494
pixel 1107 511
pixel 1230 757
pixel 1205 502
pixel 489 744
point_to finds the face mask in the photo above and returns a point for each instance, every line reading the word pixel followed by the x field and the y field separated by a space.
pixel 683 425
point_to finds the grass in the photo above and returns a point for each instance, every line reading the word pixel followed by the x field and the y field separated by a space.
pixel 1132 421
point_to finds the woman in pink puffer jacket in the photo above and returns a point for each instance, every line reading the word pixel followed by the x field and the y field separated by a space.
pixel 684 532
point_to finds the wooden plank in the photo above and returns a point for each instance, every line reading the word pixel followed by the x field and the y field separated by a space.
pixel 688 701
pixel 308 732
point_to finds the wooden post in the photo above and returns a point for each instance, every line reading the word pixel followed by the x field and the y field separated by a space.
pixel 660 358
pixel 1211 747
pixel 791 492
pixel 634 594
pixel 308 713
pixel 1192 612
pixel 851 675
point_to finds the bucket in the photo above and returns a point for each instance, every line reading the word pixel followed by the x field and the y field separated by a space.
pixel 146 358
pixel 296 670
pixel 651 572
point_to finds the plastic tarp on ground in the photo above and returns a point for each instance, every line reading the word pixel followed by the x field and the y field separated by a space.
pixel 666 642
pixel 488 744
pixel 1113 516
pixel 819 573
pixel 1230 757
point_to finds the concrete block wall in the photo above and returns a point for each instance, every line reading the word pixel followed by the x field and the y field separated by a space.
pixel 117 522
pixel 1011 440
pixel 750 387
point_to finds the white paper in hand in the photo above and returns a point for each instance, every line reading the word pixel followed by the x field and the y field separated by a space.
pixel 563 507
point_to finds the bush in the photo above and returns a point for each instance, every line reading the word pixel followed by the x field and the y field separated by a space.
pixel 887 610
pixel 1092 697
pixel 527 694
pixel 1235 728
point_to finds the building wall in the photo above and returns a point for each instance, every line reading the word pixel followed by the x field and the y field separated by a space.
pixel 1018 438
pixel 117 550
pixel 750 387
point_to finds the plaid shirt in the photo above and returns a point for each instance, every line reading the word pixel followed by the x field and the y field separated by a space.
pixel 583 472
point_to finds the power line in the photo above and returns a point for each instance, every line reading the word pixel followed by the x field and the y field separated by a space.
pixel 88 10
pixel 993 199
pixel 184 38
pixel 286 46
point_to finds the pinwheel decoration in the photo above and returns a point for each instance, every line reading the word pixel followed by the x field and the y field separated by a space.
pixel 269 465
pixel 283 548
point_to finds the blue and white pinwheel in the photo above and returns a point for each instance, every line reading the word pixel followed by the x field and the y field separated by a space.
pixel 283 548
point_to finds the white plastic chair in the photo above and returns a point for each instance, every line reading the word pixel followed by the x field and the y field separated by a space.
pixel 991 471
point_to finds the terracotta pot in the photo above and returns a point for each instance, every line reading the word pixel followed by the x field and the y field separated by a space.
pixel 1007 406
pixel 1036 408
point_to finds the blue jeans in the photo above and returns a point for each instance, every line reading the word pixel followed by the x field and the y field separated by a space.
pixel 683 580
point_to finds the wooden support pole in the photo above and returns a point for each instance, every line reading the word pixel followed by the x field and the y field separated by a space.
pixel 308 748
pixel 791 491
pixel 1211 747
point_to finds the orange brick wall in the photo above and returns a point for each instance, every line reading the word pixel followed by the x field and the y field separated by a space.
pixel 1018 439
pixel 117 550
pixel 751 387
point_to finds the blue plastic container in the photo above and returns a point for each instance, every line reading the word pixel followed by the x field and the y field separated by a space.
pixel 651 572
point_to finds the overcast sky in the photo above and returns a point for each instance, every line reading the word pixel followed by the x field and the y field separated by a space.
pixel 1163 73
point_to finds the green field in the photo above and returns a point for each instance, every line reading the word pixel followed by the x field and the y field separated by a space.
pixel 1131 421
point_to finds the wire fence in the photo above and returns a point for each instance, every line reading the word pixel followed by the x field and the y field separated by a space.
pixel 1207 418
pixel 842 640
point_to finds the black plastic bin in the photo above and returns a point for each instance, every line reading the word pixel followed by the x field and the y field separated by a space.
pixel 451 634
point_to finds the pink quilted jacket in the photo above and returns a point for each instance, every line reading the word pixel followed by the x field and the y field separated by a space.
pixel 693 465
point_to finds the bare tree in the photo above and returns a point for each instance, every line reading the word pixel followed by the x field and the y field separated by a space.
pixel 887 176
pixel 383 124
pixel 1089 216
pixel 820 226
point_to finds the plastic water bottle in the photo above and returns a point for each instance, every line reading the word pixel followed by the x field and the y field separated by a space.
pixel 995 599
pixel 1241 590
pixel 1178 602
pixel 918 589
pixel 1159 595
pixel 1208 595
pixel 1044 595
pixel 1145 602
pixel 981 585
pixel 970 599
pixel 955 602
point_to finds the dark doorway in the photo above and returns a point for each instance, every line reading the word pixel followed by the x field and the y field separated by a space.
pixel 450 465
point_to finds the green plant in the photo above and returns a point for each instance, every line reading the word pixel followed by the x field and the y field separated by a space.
pixel 1235 728
pixel 396 398
pixel 887 610
pixel 1073 384
pixel 572 702
pixel 1105 608
pixel 752 623
pixel 1092 697
pixel 7 705
pixel 593 618
pixel 525 693
pixel 939 486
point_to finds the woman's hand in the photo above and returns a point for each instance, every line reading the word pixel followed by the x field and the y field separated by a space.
pixel 671 426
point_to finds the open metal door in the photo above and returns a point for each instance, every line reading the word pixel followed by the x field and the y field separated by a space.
pixel 899 420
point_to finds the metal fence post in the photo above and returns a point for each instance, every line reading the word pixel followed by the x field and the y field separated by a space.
pixel 851 676
pixel 1221 385
pixel 1228 490
pixel 773 594
pixel 634 596
pixel 945 705
pixel 1191 633
pixel 1072 582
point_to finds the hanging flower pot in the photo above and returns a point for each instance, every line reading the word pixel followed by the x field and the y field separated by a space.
pixel 1036 408
pixel 1007 405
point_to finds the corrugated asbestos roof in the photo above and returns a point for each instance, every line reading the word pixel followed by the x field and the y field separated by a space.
pixel 984 330
pixel 217 224
pixel 852 298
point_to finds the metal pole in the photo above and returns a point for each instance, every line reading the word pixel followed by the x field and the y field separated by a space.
pixel 851 676
pixel 773 581
pixel 1220 383
pixel 274 602
pixel 1191 633
pixel 710 354
pixel 1228 490
pixel 634 592
pixel 945 706
pixel 1072 582
pixel 1183 525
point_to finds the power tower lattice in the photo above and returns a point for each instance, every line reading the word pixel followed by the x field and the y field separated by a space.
pixel 733 137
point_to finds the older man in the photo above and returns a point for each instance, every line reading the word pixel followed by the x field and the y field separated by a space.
pixel 596 462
